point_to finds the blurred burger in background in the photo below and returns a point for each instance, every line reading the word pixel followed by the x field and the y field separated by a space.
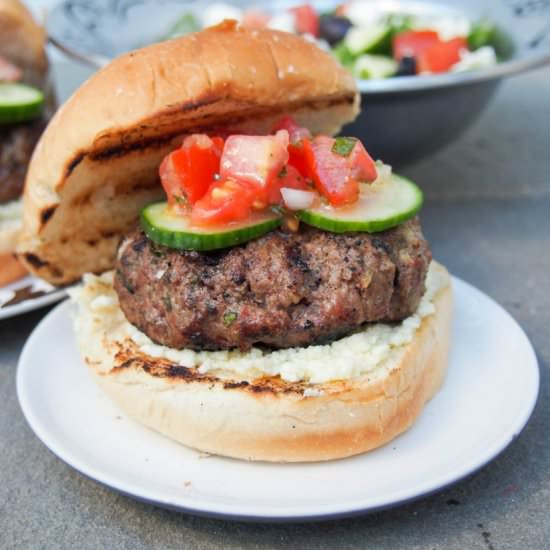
pixel 26 102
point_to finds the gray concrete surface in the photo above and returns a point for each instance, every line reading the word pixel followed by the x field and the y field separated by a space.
pixel 488 219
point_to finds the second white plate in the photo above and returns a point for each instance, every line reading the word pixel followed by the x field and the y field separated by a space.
pixel 486 400
pixel 27 294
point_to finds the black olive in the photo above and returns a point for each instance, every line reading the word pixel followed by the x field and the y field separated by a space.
pixel 333 28
pixel 406 67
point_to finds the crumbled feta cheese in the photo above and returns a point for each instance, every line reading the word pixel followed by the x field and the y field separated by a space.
pixel 479 59
pixel 363 352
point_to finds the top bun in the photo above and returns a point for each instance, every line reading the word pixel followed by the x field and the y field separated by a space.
pixel 97 163
pixel 22 41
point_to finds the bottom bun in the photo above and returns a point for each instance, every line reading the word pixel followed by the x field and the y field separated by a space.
pixel 10 269
pixel 268 418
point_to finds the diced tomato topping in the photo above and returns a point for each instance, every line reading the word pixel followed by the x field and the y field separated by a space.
pixel 225 201
pixel 440 57
pixel 256 160
pixel 288 177
pixel 219 182
pixel 187 173
pixel 297 158
pixel 295 149
pixel 432 54
pixel 306 19
pixel 337 175
pixel 362 167
pixel 295 133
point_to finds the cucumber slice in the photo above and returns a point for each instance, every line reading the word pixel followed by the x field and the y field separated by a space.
pixel 19 102
pixel 374 66
pixel 343 55
pixel 176 231
pixel 380 206
pixel 373 39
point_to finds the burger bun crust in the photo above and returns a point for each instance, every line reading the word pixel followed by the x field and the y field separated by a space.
pixel 10 269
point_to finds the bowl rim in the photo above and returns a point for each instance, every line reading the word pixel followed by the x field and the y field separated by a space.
pixel 428 82
pixel 510 67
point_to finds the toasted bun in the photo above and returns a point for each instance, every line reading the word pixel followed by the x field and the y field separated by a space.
pixel 10 226
pixel 268 418
pixel 10 269
pixel 97 163
pixel 22 41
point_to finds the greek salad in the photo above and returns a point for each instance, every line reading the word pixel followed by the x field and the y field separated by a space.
pixel 368 39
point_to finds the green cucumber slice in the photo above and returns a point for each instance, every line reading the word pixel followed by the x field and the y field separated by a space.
pixel 19 102
pixel 374 66
pixel 380 206
pixel 373 39
pixel 343 55
pixel 176 231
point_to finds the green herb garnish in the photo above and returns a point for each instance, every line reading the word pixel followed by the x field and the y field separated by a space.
pixel 343 146
pixel 180 200
pixel 167 303
pixel 229 317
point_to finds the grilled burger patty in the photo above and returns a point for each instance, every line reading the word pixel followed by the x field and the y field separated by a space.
pixel 281 290
pixel 16 146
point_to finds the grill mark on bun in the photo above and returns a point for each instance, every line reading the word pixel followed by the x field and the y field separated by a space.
pixel 207 123
pixel 35 261
pixel 76 160
pixel 46 214
pixel 127 359
pixel 232 385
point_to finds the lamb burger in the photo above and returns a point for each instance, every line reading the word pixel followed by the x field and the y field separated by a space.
pixel 252 287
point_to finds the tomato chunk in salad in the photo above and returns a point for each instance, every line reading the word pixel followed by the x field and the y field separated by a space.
pixel 432 54
pixel 219 180
pixel 306 19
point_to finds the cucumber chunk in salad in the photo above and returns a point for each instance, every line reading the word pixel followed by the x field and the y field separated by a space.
pixel 175 230
pixel 19 102
pixel 380 206
pixel 374 66
pixel 373 39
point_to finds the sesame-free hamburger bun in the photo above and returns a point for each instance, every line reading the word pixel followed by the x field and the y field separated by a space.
pixel 96 167
pixel 22 50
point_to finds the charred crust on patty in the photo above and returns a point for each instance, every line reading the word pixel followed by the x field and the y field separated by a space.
pixel 284 290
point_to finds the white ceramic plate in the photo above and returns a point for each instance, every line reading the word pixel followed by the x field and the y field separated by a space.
pixel 486 400
pixel 27 294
